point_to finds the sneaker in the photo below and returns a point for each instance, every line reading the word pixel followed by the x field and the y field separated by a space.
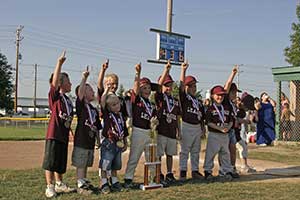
pixel 197 175
pixel 116 187
pixel 225 178
pixel 170 178
pixel 86 189
pixel 50 191
pixel 128 183
pixel 105 188
pixel 162 180
pixel 63 188
pixel 182 175
pixel 208 176
pixel 233 174
pixel 248 169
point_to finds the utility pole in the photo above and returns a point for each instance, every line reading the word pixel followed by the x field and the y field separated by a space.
pixel 18 39
pixel 34 93
pixel 169 15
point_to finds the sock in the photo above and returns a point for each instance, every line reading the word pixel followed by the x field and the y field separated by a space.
pixel 80 183
pixel 103 181
pixel 114 179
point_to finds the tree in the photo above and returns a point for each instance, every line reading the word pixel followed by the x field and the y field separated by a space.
pixel 292 53
pixel 6 86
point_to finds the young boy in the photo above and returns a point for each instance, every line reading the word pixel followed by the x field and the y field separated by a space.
pixel 87 132
pixel 57 138
pixel 168 110
pixel 219 121
pixel 192 124
pixel 113 80
pixel 115 140
pixel 142 112
pixel 229 99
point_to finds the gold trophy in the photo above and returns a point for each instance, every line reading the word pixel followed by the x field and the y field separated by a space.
pixel 152 165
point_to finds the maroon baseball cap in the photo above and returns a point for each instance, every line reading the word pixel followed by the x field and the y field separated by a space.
pixel 218 89
pixel 234 87
pixel 144 81
pixel 167 80
pixel 189 80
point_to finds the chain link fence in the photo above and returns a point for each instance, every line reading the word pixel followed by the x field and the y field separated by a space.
pixel 289 126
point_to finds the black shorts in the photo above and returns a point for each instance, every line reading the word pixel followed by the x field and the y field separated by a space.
pixel 56 156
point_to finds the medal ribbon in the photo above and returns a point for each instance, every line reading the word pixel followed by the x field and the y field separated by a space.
pixel 195 102
pixel 148 106
pixel 120 127
pixel 233 108
pixel 66 104
pixel 221 114
pixel 168 103
pixel 90 114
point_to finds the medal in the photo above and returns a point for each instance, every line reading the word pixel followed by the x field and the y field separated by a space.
pixel 196 105
pixel 169 108
pixel 67 117
pixel 91 134
pixel 120 144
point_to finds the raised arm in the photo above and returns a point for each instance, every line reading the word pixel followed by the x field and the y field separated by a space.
pixel 104 95
pixel 165 73
pixel 81 89
pixel 136 85
pixel 56 74
pixel 101 75
pixel 184 67
pixel 230 78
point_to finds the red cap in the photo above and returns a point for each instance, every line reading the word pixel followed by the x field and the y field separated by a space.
pixel 218 89
pixel 189 80
pixel 167 80
pixel 144 81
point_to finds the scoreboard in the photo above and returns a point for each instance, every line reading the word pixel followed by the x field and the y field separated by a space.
pixel 170 46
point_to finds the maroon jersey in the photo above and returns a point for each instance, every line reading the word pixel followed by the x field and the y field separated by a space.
pixel 61 116
pixel 192 109
pixel 122 101
pixel 219 115
pixel 114 126
pixel 142 111
pixel 168 109
pixel 88 125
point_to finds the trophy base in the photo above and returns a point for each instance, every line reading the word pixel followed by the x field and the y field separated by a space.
pixel 151 186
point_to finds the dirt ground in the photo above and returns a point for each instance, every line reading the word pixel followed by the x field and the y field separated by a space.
pixel 29 154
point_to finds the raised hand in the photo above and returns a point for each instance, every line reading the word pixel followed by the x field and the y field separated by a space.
pixel 184 65
pixel 62 57
pixel 138 68
pixel 86 73
pixel 235 69
pixel 168 65
pixel 105 65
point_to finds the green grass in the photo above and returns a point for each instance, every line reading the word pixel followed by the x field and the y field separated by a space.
pixel 30 184
pixel 24 133
pixel 283 154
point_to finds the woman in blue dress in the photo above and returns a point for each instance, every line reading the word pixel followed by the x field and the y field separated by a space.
pixel 266 120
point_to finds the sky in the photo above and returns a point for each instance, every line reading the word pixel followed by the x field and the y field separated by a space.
pixel 223 33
